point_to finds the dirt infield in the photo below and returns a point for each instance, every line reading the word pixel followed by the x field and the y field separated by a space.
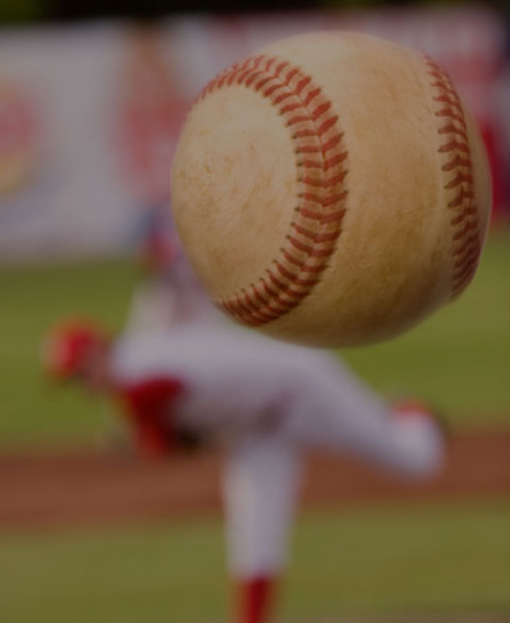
pixel 83 487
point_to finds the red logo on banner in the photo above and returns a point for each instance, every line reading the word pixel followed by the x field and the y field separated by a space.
pixel 152 112
pixel 18 136
pixel 149 139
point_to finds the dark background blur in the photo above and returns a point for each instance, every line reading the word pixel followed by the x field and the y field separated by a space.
pixel 16 11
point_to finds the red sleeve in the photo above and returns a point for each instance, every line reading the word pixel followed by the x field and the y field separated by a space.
pixel 149 411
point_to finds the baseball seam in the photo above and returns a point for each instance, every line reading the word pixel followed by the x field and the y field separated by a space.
pixel 320 209
pixel 457 164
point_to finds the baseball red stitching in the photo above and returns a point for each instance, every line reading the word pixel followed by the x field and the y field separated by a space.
pixel 320 203
pixel 466 238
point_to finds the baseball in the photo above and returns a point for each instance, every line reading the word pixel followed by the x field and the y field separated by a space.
pixel 332 190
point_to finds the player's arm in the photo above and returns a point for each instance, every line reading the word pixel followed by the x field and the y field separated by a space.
pixel 148 407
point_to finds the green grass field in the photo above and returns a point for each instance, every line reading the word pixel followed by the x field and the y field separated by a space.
pixel 459 358
pixel 436 559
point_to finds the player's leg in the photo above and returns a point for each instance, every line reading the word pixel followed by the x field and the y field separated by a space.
pixel 335 410
pixel 261 482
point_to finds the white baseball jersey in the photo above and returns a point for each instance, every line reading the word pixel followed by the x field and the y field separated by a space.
pixel 231 378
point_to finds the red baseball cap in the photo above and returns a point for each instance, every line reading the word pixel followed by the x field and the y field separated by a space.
pixel 68 346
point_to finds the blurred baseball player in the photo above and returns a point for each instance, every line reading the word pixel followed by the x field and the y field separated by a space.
pixel 268 402
pixel 169 292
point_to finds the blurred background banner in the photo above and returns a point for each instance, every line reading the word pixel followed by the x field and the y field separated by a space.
pixel 90 114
